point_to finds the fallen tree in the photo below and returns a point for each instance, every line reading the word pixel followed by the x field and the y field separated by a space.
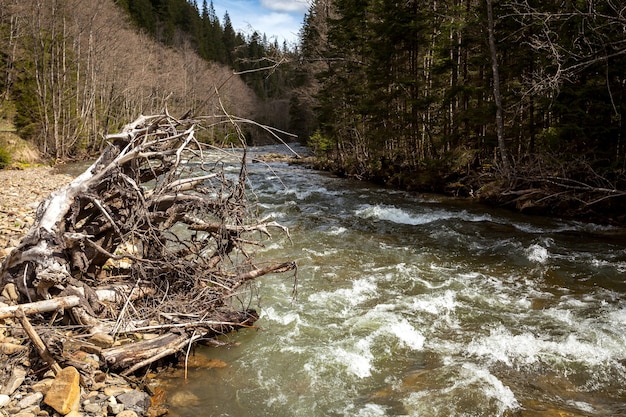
pixel 152 239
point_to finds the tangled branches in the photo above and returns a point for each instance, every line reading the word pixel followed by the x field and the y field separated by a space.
pixel 152 237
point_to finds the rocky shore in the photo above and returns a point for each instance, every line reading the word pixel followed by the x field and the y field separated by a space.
pixel 20 193
pixel 28 392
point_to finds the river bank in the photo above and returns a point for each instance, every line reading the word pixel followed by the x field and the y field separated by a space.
pixel 573 191
pixel 24 389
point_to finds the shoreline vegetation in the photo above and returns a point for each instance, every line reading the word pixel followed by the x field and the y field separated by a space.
pixel 572 191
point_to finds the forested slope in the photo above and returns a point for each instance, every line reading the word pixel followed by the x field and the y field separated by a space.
pixel 72 71
pixel 519 102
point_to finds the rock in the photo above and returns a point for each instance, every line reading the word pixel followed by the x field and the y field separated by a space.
pixel 11 348
pixel 114 391
pixel 4 400
pixel 127 413
pixel 115 409
pixel 74 413
pixel 25 414
pixel 42 386
pixel 135 401
pixel 102 340
pixel 93 408
pixel 183 398
pixel 29 400
pixel 14 382
pixel 64 393
pixel 198 361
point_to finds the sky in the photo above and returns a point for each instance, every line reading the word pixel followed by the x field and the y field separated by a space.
pixel 278 19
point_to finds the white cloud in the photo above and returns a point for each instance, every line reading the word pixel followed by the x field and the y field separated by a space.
pixel 293 6
pixel 278 19
pixel 281 26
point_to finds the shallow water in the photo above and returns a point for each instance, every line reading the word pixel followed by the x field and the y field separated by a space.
pixel 418 305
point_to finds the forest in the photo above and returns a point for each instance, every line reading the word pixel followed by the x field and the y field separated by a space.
pixel 516 102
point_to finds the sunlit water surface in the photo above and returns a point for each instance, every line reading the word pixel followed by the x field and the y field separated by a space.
pixel 419 305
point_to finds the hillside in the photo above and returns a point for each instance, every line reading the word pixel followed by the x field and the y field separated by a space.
pixel 77 70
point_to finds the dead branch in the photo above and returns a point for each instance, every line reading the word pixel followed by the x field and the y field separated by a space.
pixel 44 306
pixel 42 349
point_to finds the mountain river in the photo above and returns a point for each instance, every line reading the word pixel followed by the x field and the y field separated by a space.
pixel 418 305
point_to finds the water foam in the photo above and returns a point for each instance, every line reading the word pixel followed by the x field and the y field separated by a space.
pixel 359 361
pixel 396 215
pixel 361 291
pixel 368 410
pixel 436 305
pixel 408 335
pixel 493 387
pixel 526 348
pixel 336 231
pixel 473 385
pixel 537 253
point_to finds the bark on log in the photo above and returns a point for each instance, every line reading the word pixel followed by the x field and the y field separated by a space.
pixel 121 357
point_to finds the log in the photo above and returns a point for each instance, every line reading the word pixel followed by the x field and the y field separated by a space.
pixel 121 357
pixel 43 306
pixel 167 352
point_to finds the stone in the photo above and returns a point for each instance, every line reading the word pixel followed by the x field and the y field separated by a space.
pixel 199 361
pixel 74 413
pixel 25 414
pixel 35 409
pixel 14 382
pixel 114 391
pixel 4 400
pixel 10 348
pixel 30 399
pixel 183 398
pixel 115 409
pixel 102 340
pixel 42 386
pixel 92 408
pixel 115 380
pixel 158 411
pixel 10 292
pixel 135 401
pixel 127 413
pixel 64 393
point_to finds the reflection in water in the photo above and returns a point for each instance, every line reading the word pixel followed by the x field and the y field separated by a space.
pixel 413 305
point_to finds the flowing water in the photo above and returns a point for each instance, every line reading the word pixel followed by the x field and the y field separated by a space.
pixel 418 305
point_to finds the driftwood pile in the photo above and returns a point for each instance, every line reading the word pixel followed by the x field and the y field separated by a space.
pixel 145 253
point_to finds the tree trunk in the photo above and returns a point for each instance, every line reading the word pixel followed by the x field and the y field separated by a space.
pixel 497 96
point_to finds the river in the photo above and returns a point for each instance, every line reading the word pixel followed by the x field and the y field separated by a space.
pixel 418 305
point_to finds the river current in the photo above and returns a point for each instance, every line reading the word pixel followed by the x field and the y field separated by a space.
pixel 418 305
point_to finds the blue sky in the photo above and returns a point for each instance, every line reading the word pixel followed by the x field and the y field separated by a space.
pixel 278 19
